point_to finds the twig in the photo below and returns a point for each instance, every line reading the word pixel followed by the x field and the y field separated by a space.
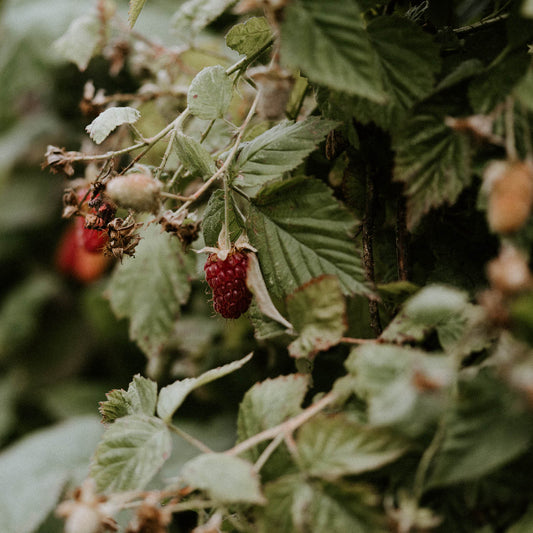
pixel 267 452
pixel 285 427
pixel 351 340
pixel 190 439
pixel 480 24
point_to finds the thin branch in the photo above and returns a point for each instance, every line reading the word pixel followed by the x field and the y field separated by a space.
pixel 267 452
pixel 351 340
pixel 480 24
pixel 285 427
pixel 402 240
pixel 190 439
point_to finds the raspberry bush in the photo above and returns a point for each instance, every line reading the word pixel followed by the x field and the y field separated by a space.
pixel 292 272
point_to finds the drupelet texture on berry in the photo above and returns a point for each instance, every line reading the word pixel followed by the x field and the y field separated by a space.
pixel 227 279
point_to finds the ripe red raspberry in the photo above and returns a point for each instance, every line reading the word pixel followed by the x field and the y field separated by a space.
pixel 227 279
pixel 92 240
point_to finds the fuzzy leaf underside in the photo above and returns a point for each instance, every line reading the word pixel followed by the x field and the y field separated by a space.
pixel 149 288
pixel 329 43
pixel 194 15
pixel 318 313
pixel 301 232
pixel 278 150
pixel 108 120
pixel 194 156
pixel 210 93
pixel 130 453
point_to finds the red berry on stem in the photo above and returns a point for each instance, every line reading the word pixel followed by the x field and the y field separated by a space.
pixel 92 240
pixel 227 279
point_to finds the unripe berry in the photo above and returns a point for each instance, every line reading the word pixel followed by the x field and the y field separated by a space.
pixel 137 191
pixel 227 279
pixel 510 195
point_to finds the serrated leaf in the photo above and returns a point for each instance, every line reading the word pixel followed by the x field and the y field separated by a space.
pixel 298 504
pixel 403 387
pixel 317 310
pixel 432 160
pixel 331 447
pixel 225 478
pixel 214 219
pixel 110 119
pixel 487 427
pixel 81 41
pixel 270 403
pixel 301 232
pixel 249 37
pixel 194 15
pixel 331 47
pixel 134 11
pixel 141 398
pixel 130 453
pixel 435 307
pixel 20 310
pixel 35 469
pixel 149 288
pixel 279 149
pixel 194 156
pixel 210 93
pixel 172 396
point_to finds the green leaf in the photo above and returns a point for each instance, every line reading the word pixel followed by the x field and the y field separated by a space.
pixel 270 403
pixel 249 37
pixel 110 119
pixel 403 387
pixel 525 524
pixel 141 398
pixel 194 156
pixel 35 470
pixel 329 43
pixel 331 447
pixel 134 11
pixel 523 91
pixel 194 15
pixel 225 478
pixel 432 160
pixel 527 8
pixel 301 232
pixel 214 219
pixel 296 504
pixel 487 427
pixel 81 41
pixel 210 93
pixel 279 149
pixel 317 311
pixel 172 396
pixel 150 288
pixel 21 309
pixel 130 453
pixel 11 387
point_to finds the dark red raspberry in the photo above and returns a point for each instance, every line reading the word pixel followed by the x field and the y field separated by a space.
pixel 92 240
pixel 227 279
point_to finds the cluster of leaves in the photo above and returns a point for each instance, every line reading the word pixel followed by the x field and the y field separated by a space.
pixel 366 207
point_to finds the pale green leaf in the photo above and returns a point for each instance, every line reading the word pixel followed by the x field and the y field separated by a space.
pixel 21 309
pixel 527 8
pixel 149 288
pixel 432 160
pixel 172 396
pixel 140 398
pixel 249 37
pixel 278 150
pixel 225 478
pixel 487 427
pixel 331 447
pixel 110 119
pixel 193 156
pixel 298 504
pixel 523 92
pixel 403 387
pixel 210 93
pixel 35 470
pixel 134 11
pixel 330 45
pixel 317 311
pixel 301 232
pixel 80 43
pixel 130 453
pixel 194 15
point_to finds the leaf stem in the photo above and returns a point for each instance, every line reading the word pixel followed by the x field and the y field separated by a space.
pixel 285 427
pixel 190 439
pixel 268 451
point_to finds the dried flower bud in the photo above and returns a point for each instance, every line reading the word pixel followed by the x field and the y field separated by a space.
pixel 510 190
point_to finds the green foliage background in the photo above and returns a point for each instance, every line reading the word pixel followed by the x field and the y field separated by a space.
pixel 428 429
